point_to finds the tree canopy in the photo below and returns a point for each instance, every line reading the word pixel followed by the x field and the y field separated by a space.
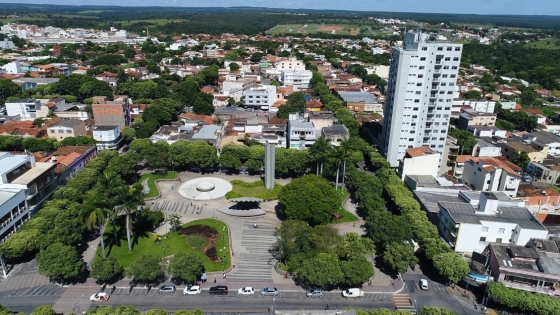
pixel 309 198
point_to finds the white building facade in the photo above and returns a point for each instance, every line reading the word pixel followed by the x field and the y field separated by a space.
pixel 419 161
pixel 26 108
pixel 260 97
pixel 291 64
pixel 107 137
pixel 419 95
pixel 299 79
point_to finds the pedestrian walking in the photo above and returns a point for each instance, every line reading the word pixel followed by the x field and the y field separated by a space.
pixel 354 225
pixel 223 275
pixel 233 265
pixel 214 279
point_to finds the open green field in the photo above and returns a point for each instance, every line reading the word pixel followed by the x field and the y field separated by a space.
pixel 343 29
pixel 545 44
pixel 170 244
pixel 153 22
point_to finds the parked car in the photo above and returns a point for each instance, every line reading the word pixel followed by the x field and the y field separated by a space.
pixel 246 291
pixel 167 289
pixel 352 293
pixel 218 290
pixel 423 284
pixel 192 290
pixel 272 291
pixel 99 297
pixel 314 293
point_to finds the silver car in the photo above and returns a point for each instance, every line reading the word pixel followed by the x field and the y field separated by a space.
pixel 272 291
pixel 314 293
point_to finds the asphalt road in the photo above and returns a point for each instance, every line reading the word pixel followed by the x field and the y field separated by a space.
pixel 234 303
pixel 435 296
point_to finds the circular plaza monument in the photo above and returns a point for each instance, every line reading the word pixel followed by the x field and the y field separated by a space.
pixel 205 188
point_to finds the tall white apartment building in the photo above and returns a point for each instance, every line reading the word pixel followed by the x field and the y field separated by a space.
pixel 420 90
pixel 290 64
pixel 299 79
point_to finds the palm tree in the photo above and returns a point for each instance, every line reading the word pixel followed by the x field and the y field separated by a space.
pixel 320 151
pixel 340 156
pixel 129 198
pixel 345 146
pixel 107 184
pixel 96 214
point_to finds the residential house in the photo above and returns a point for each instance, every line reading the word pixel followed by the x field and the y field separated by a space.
pixel 487 147
pixel 314 105
pixel 336 134
pixel 29 83
pixel 210 133
pixel 492 174
pixel 108 77
pixel 419 161
pixel 534 151
pixel 470 225
pixel 361 102
pixel 25 108
pixel 70 160
pixel 544 139
pixel 67 128
pixel 547 171
pixel 472 118
pixel 321 119
pixel 301 133
pixel 272 133
pixel 481 106
pixel 529 267
pixel 290 64
pixel 486 131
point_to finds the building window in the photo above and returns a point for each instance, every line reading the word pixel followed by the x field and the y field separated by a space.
pixel 421 67
pixel 418 84
pixel 448 48
pixel 498 240
pixel 457 48
pixel 447 58
pixel 440 48
pixel 68 131
pixel 454 67
pixel 53 131
pixel 423 59
pixel 484 229
pixel 420 76
pixel 455 58
pixel 424 48
pixel 501 230
pixel 483 239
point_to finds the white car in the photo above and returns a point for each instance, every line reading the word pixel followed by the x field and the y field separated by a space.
pixel 99 297
pixel 246 291
pixel 193 290
pixel 423 284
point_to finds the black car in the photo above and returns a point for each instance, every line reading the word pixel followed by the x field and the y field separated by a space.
pixel 219 290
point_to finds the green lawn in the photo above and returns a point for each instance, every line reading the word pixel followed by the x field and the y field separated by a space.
pixel 545 44
pixel 348 217
pixel 248 191
pixel 172 243
pixel 154 192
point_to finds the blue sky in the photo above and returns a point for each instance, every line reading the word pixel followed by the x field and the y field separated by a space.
pixel 522 7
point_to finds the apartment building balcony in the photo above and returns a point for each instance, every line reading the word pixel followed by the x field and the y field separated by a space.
pixel 530 285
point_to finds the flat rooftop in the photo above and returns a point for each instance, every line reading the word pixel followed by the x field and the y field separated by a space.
pixel 10 162
pixel 32 174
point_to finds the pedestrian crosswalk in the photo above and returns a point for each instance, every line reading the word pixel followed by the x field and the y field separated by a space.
pixel 254 263
pixel 178 207
pixel 43 290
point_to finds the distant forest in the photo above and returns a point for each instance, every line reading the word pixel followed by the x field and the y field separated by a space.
pixel 237 20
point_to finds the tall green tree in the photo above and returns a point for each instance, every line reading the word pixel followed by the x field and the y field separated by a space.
pixel 147 268
pixel 187 267
pixel 320 151
pixel 129 199
pixel 452 266
pixel 521 158
pixel 95 214
pixel 59 262
pixel 465 139
pixel 321 270
pixel 106 269
pixel 399 256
